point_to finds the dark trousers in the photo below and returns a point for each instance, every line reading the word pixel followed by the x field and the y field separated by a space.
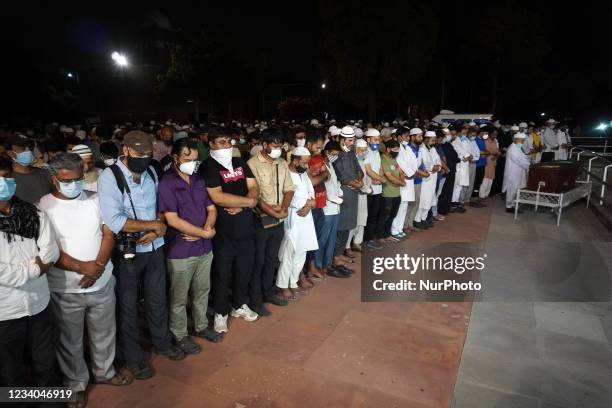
pixel 318 217
pixel 478 180
pixel 29 338
pixel 341 240
pixel 500 167
pixel 267 244
pixel 446 195
pixel 149 269
pixel 391 206
pixel 231 270
pixel 375 227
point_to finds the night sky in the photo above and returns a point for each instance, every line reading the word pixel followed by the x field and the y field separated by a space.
pixel 39 40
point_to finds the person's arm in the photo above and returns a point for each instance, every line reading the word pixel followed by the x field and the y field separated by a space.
pixel 374 175
pixel 394 180
pixel 14 275
pixel 319 178
pixel 231 200
pixel 185 227
pixel 211 217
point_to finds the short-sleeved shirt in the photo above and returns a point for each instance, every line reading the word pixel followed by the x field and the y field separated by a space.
pixel 189 202
pixel 389 164
pixel 236 226
pixel 374 160
pixel 31 187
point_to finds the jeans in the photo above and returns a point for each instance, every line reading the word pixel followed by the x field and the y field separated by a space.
pixel 318 217
pixel 376 218
pixel 185 275
pixel 267 244
pixel 324 256
pixel 391 206
pixel 150 268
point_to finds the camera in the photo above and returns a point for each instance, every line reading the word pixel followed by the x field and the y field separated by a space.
pixel 126 243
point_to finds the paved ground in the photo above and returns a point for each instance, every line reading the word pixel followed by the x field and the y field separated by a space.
pixel 331 350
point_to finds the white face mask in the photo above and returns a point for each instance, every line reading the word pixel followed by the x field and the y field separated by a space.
pixel 233 142
pixel 223 157
pixel 189 167
pixel 275 153
pixel 300 142
pixel 485 136
pixel 446 139
pixel 109 162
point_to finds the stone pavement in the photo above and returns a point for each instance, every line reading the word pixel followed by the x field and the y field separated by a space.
pixel 331 350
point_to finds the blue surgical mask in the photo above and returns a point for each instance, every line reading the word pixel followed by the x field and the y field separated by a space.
pixel 25 158
pixel 242 141
pixel 7 188
pixel 72 189
pixel 374 146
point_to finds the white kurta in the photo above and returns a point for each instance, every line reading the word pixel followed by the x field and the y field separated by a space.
pixel 408 163
pixel 562 138
pixel 515 173
pixel 549 139
pixel 362 200
pixel 462 170
pixel 428 186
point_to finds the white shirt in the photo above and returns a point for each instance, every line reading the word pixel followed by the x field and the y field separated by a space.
pixel 23 291
pixel 474 151
pixel 81 240
pixel 333 190
pixel 373 159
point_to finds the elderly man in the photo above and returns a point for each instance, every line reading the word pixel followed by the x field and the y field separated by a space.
pixel 90 172
pixel 551 141
pixel 431 164
pixel 350 177
pixel 462 146
pixel 416 140
pixel 356 235
pixel 408 162
pixel 515 173
pixel 128 201
pixel 81 282
pixel 28 248
pixel 300 235
pixel 374 229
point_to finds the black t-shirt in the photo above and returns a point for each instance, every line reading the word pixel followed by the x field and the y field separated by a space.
pixel 242 224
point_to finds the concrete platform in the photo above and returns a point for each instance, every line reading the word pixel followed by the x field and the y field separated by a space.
pixel 331 350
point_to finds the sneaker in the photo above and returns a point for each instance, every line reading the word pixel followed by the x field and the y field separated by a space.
pixel 261 310
pixel 245 312
pixel 141 371
pixel 188 346
pixel 276 300
pixel 220 323
pixel 398 237
pixel 174 353
pixel 210 335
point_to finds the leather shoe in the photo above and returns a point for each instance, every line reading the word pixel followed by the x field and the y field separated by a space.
pixel 276 300
pixel 335 273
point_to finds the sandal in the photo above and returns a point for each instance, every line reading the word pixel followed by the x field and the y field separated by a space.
pixel 119 379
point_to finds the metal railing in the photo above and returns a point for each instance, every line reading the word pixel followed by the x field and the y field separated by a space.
pixel 607 164
pixel 605 147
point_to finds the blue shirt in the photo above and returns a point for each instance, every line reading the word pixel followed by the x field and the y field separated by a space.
pixel 415 150
pixel 482 161
pixel 116 207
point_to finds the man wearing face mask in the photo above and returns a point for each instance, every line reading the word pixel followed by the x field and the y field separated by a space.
pixel 356 235
pixel 128 200
pixel 191 216
pixel 374 229
pixel 108 154
pixel 275 194
pixel 350 177
pixel 416 140
pixel 300 235
pixel 28 249
pixel 32 182
pixel 515 173
pixel 90 173
pixel 231 185
pixel 81 282
pixel 408 163
pixel 492 150
pixel 462 146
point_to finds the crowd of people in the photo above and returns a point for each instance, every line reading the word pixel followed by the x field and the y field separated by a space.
pixel 214 220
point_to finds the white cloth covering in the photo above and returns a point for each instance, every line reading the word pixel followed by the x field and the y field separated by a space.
pixel 515 173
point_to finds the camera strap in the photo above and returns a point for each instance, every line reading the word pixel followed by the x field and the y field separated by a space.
pixel 123 186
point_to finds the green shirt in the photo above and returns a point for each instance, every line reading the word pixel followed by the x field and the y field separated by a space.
pixel 389 164
pixel 203 152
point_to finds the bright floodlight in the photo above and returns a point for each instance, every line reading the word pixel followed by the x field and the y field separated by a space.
pixel 119 59
pixel 543 114
pixel 602 126
pixel 323 86
pixel 69 75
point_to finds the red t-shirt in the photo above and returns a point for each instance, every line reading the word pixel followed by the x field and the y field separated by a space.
pixel 316 164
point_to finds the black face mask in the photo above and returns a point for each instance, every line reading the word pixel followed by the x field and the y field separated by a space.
pixel 138 164
pixel 168 142
pixel 393 154
pixel 300 169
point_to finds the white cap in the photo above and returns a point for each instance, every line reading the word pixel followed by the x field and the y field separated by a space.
pixel 347 131
pixel 335 132
pixel 472 124
pixel 361 143
pixel 519 136
pixel 385 132
pixel 358 133
pixel 371 132
pixel 314 122
pixel 300 151
pixel 522 125
pixel 430 133
pixel 514 128
pixel 82 150
pixel 446 131
pixel 551 120
pixel 484 125
pixel 385 124
pixel 67 130
pixel 81 134
pixel 331 128
pixel 415 131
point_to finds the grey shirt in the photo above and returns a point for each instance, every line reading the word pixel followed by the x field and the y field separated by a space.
pixel 347 168
pixel 31 187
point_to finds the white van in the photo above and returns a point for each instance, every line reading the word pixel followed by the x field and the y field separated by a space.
pixel 451 117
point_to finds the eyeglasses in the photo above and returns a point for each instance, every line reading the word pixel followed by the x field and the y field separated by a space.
pixel 70 180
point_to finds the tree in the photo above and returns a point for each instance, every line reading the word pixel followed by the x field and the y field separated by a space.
pixel 373 52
